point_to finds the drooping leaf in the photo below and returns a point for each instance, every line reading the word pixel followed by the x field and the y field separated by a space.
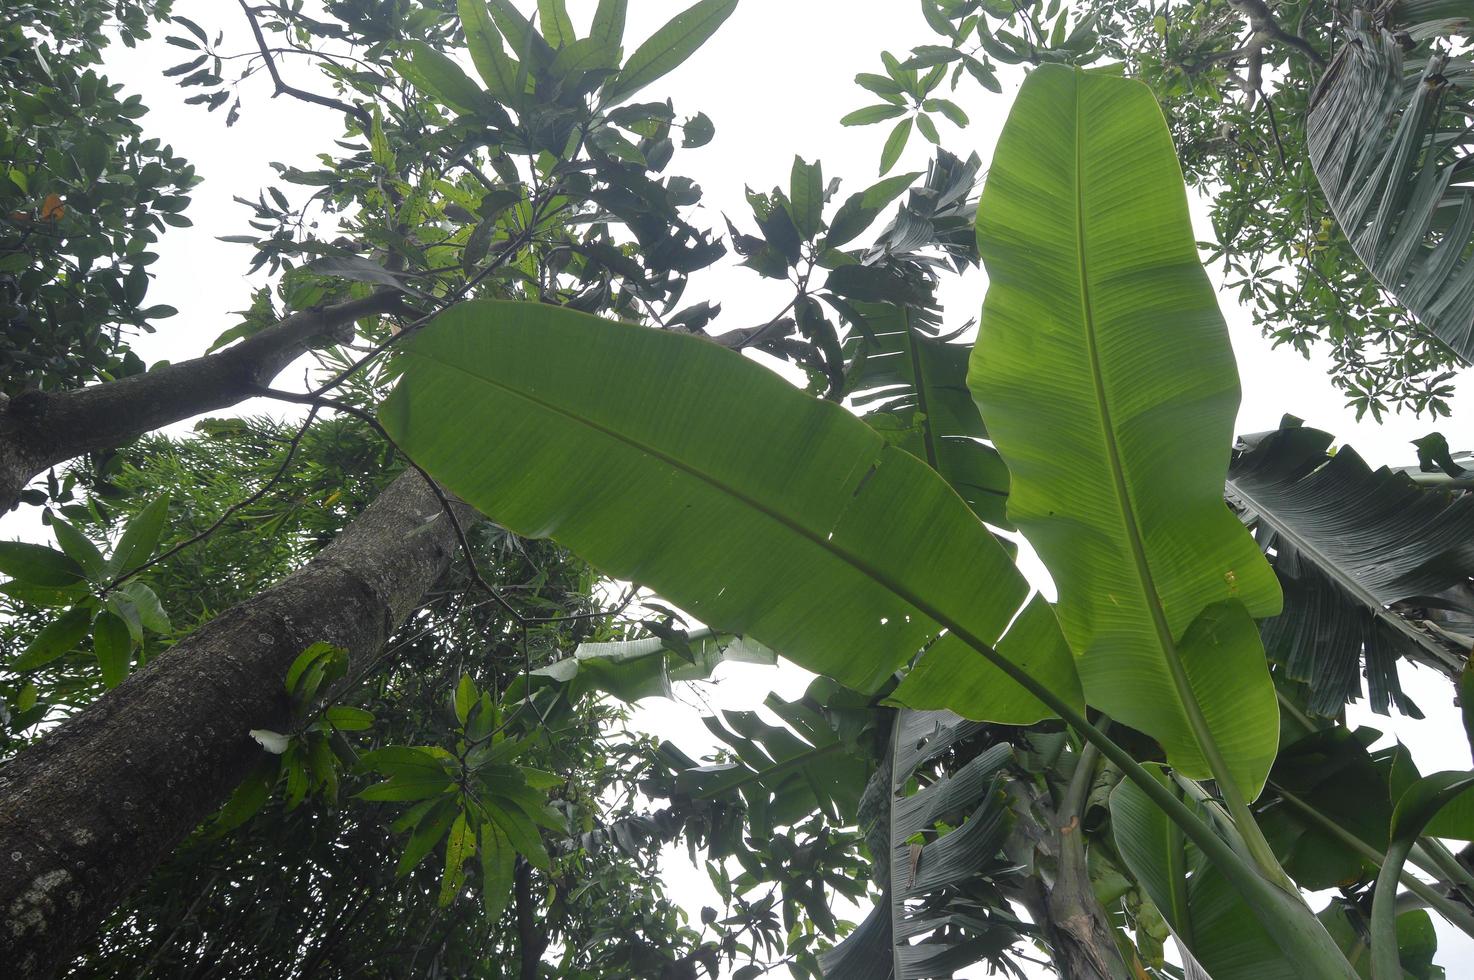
pixel 498 859
pixel 1350 544
pixel 1104 374
pixel 429 830
pixel 460 844
pixel 114 647
pixel 1387 147
pixel 844 553
pixel 895 145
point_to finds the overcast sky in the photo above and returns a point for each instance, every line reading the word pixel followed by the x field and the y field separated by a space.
pixel 775 81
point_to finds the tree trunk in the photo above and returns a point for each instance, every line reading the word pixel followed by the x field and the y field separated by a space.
pixel 1059 897
pixel 86 813
pixel 40 429
pixel 1078 932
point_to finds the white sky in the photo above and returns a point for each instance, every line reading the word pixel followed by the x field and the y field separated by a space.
pixel 775 80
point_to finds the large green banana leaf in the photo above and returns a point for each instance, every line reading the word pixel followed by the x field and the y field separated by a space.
pixel 1390 150
pixel 666 460
pixel 1351 543
pixel 1104 375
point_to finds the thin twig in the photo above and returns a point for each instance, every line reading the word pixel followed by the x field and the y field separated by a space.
pixel 282 88
pixel 229 511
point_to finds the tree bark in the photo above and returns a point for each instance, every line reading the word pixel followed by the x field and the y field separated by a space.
pixel 86 813
pixel 40 429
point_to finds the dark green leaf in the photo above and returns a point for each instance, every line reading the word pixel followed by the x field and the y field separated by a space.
pixel 668 47
pixel 895 144
pixel 79 548
pixel 114 647
pixel 57 638
pixel 34 564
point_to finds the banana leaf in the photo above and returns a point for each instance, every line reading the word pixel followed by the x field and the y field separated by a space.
pixel 1358 552
pixel 1390 149
pixel 1104 374
pixel 667 460
pixel 940 911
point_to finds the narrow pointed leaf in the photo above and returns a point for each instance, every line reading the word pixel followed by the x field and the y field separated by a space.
pixel 895 144
pixel 56 639
pixel 668 47
pixel 442 79
pixel 557 26
pixel 35 564
pixel 113 646
pixel 608 23
pixel 140 537
pixel 497 70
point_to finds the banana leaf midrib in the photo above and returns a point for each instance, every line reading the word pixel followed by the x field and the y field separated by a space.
pixel 1196 721
pixel 967 636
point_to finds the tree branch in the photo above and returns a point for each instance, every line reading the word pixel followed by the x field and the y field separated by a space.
pixel 41 429
pixel 282 88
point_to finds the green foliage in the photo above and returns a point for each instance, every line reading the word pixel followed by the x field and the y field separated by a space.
pixel 448 805
pixel 84 194
pixel 822 569
pixel 1351 545
pixel 1104 374
pixel 1385 153
pixel 91 589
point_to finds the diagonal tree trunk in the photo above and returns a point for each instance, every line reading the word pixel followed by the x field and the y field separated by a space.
pixel 86 813
pixel 40 429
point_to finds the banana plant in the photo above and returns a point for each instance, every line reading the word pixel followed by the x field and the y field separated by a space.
pixel 1388 146
pixel 1354 548
pixel 1104 377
